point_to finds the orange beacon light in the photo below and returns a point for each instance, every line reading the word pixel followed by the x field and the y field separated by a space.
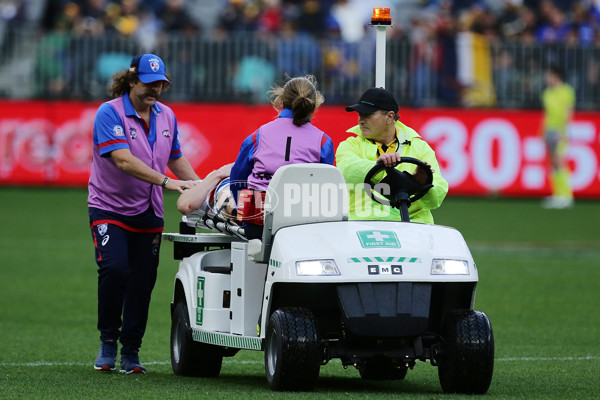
pixel 381 16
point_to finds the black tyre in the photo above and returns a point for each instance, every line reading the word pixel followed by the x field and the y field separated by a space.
pixel 292 355
pixel 466 358
pixel 381 369
pixel 190 358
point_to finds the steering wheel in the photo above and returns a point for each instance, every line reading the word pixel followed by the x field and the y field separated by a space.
pixel 397 187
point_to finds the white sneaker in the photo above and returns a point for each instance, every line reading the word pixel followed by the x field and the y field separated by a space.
pixel 558 202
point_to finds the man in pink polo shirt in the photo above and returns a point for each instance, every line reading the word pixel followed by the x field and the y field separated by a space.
pixel 135 140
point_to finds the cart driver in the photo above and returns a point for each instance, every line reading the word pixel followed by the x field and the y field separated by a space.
pixel 381 137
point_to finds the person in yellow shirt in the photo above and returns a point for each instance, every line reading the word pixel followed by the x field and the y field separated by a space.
pixel 381 137
pixel 558 100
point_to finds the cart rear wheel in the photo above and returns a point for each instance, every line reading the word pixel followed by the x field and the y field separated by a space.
pixel 466 361
pixel 292 356
pixel 188 357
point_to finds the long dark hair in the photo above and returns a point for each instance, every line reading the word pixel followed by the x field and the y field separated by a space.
pixel 121 82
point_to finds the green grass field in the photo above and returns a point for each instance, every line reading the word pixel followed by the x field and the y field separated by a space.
pixel 539 284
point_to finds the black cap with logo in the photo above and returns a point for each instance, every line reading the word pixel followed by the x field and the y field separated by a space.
pixel 375 99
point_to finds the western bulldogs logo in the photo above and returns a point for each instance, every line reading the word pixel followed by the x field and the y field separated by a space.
pixel 132 133
pixel 118 130
pixel 154 64
pixel 102 228
pixel 166 133
pixel 155 245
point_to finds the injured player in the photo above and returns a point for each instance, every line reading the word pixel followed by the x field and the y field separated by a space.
pixel 209 196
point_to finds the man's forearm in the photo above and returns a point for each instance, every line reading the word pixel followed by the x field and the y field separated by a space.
pixel 182 169
pixel 135 167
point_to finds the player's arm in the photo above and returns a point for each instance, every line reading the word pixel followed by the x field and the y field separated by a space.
pixel 191 200
pixel 327 153
pixel 570 112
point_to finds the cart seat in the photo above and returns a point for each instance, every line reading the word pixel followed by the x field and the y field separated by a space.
pixel 302 194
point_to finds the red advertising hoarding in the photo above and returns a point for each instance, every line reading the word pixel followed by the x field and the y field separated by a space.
pixel 480 151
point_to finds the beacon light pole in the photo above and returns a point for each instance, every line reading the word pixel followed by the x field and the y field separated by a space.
pixel 381 19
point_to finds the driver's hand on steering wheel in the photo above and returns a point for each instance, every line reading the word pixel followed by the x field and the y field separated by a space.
pixel 389 159
pixel 420 176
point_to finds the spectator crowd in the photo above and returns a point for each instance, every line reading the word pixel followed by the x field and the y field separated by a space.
pixel 540 21
pixel 428 27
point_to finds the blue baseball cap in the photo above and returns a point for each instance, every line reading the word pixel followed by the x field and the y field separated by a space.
pixel 149 68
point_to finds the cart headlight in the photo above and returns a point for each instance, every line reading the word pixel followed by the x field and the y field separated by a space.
pixel 317 267
pixel 449 267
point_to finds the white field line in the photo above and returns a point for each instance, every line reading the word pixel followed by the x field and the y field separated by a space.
pixel 548 358
pixel 74 364
pixel 233 361
pixel 565 250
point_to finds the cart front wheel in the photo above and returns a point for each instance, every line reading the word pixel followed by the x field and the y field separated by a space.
pixel 466 361
pixel 292 356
